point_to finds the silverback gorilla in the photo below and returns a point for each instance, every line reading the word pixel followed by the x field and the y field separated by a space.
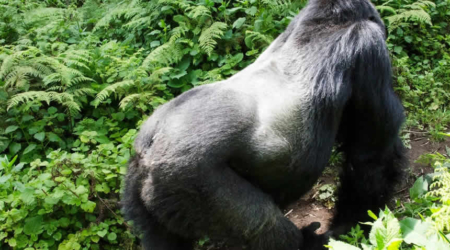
pixel 223 159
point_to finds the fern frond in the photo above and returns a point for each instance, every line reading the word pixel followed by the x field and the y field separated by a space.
pixel 166 54
pixel 424 4
pixel 44 14
pixel 182 4
pixel 83 92
pixel 7 65
pixel 111 15
pixel 259 37
pixel 59 46
pixel 156 75
pixel 383 8
pixel 178 32
pixel 281 7
pixel 20 76
pixel 128 100
pixel 207 38
pixel 78 80
pixel 106 92
pixel 139 22
pixel 52 78
pixel 441 188
pixel 198 11
pixel 410 12
pixel 409 15
pixel 27 97
pixel 72 107
pixel 55 88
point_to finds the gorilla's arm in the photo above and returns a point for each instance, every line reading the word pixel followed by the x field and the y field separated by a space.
pixel 369 135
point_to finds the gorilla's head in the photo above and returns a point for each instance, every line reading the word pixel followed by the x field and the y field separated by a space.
pixel 341 12
pixel 322 17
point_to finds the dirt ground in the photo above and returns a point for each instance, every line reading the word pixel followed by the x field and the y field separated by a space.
pixel 308 209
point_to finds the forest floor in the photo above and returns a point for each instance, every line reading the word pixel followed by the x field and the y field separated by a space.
pixel 310 209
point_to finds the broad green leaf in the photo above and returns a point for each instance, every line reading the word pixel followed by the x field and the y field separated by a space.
pixel 4 143
pixel 385 230
pixel 33 225
pixel 89 206
pixel 408 39
pixel 418 189
pixel 57 236
pixel 12 242
pixel 102 139
pixel 5 178
pixel 372 215
pixel 155 44
pixel 102 233
pixel 52 110
pixel 414 231
pixel 118 116
pixel 30 148
pixel 39 136
pixel 239 22
pixel 64 222
pixel 178 75
pixel 367 247
pixel 252 10
pixel 3 235
pixel 339 245
pixel 394 244
pixel 14 147
pixel 11 129
pixel 51 200
pixel 34 130
pixel 81 190
pixel 435 242
pixel 53 137
pixel 26 118
pixel 112 236
pixel 27 196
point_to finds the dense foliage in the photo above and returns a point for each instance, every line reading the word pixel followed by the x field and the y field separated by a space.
pixel 78 76
pixel 425 220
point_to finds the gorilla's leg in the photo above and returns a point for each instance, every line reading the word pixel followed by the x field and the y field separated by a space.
pixel 221 204
pixel 155 236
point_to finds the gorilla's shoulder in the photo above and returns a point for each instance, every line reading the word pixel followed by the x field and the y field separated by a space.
pixel 211 101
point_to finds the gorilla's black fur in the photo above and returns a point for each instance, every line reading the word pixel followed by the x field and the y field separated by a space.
pixel 222 159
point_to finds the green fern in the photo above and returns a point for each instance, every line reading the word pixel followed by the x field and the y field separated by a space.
pixel 257 37
pixel 415 12
pixel 207 40
pixel 382 9
pixel 114 88
pixel 196 12
pixel 441 188
pixel 54 77
pixel 166 54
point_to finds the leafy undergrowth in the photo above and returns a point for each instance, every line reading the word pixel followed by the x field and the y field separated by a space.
pixel 69 202
pixel 422 223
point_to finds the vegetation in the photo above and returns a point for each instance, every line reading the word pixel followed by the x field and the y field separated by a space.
pixel 77 77
pixel 424 220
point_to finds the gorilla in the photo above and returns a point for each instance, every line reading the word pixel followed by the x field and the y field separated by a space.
pixel 223 159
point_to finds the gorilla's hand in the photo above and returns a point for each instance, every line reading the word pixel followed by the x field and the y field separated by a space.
pixel 313 241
